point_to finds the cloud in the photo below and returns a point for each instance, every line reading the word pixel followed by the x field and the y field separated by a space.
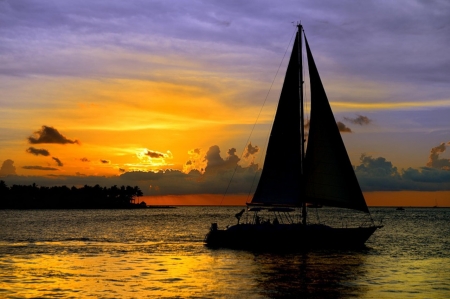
pixel 155 155
pixel 37 152
pixel 57 161
pixel 360 120
pixel 142 175
pixel 85 160
pixel 8 168
pixel 232 158
pixel 250 150
pixel 213 157
pixel 49 135
pixel 427 175
pixel 196 161
pixel 215 163
pixel 113 26
pixel 434 161
pixel 39 168
pixel 215 179
pixel 122 170
pixel 153 158
pixel 105 161
pixel 343 128
pixel 378 174
pixel 227 175
pixel 375 166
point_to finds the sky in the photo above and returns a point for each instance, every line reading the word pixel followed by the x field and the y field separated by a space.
pixel 164 94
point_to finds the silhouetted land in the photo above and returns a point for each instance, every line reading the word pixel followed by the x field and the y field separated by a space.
pixel 63 197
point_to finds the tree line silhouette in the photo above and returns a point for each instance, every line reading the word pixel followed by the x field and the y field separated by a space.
pixel 63 197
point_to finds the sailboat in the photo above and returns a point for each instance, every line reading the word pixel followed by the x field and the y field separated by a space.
pixel 319 173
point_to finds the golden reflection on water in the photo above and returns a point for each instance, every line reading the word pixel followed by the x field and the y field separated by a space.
pixel 119 276
pixel 221 274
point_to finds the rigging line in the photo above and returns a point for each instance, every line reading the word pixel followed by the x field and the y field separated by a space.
pixel 256 121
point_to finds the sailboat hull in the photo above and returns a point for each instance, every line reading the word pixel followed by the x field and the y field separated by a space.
pixel 288 236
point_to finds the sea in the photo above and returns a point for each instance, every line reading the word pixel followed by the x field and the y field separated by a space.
pixel 159 253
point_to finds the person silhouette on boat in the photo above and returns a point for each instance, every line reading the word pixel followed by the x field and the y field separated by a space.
pixel 239 215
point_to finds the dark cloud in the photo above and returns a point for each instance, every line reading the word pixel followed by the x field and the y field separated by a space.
pixel 155 155
pixel 213 157
pixel 39 168
pixel 58 161
pixel 175 182
pixel 343 128
pixel 250 150
pixel 49 135
pixel 142 175
pixel 376 167
pixel 374 174
pixel 360 120
pixel 85 160
pixel 121 170
pixel 427 175
pixel 105 161
pixel 215 163
pixel 434 161
pixel 8 168
pixel 37 152
pixel 378 174
pixel 232 158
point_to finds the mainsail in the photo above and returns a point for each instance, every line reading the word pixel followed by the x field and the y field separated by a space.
pixel 328 177
pixel 280 177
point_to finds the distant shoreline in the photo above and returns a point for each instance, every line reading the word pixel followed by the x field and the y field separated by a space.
pixel 62 197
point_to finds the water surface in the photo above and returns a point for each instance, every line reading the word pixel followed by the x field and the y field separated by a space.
pixel 159 253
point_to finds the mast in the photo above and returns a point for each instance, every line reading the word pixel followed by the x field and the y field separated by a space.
pixel 302 121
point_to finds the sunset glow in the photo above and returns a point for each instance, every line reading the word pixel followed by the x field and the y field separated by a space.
pixel 128 97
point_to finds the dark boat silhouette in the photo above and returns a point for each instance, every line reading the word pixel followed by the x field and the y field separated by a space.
pixel 319 174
